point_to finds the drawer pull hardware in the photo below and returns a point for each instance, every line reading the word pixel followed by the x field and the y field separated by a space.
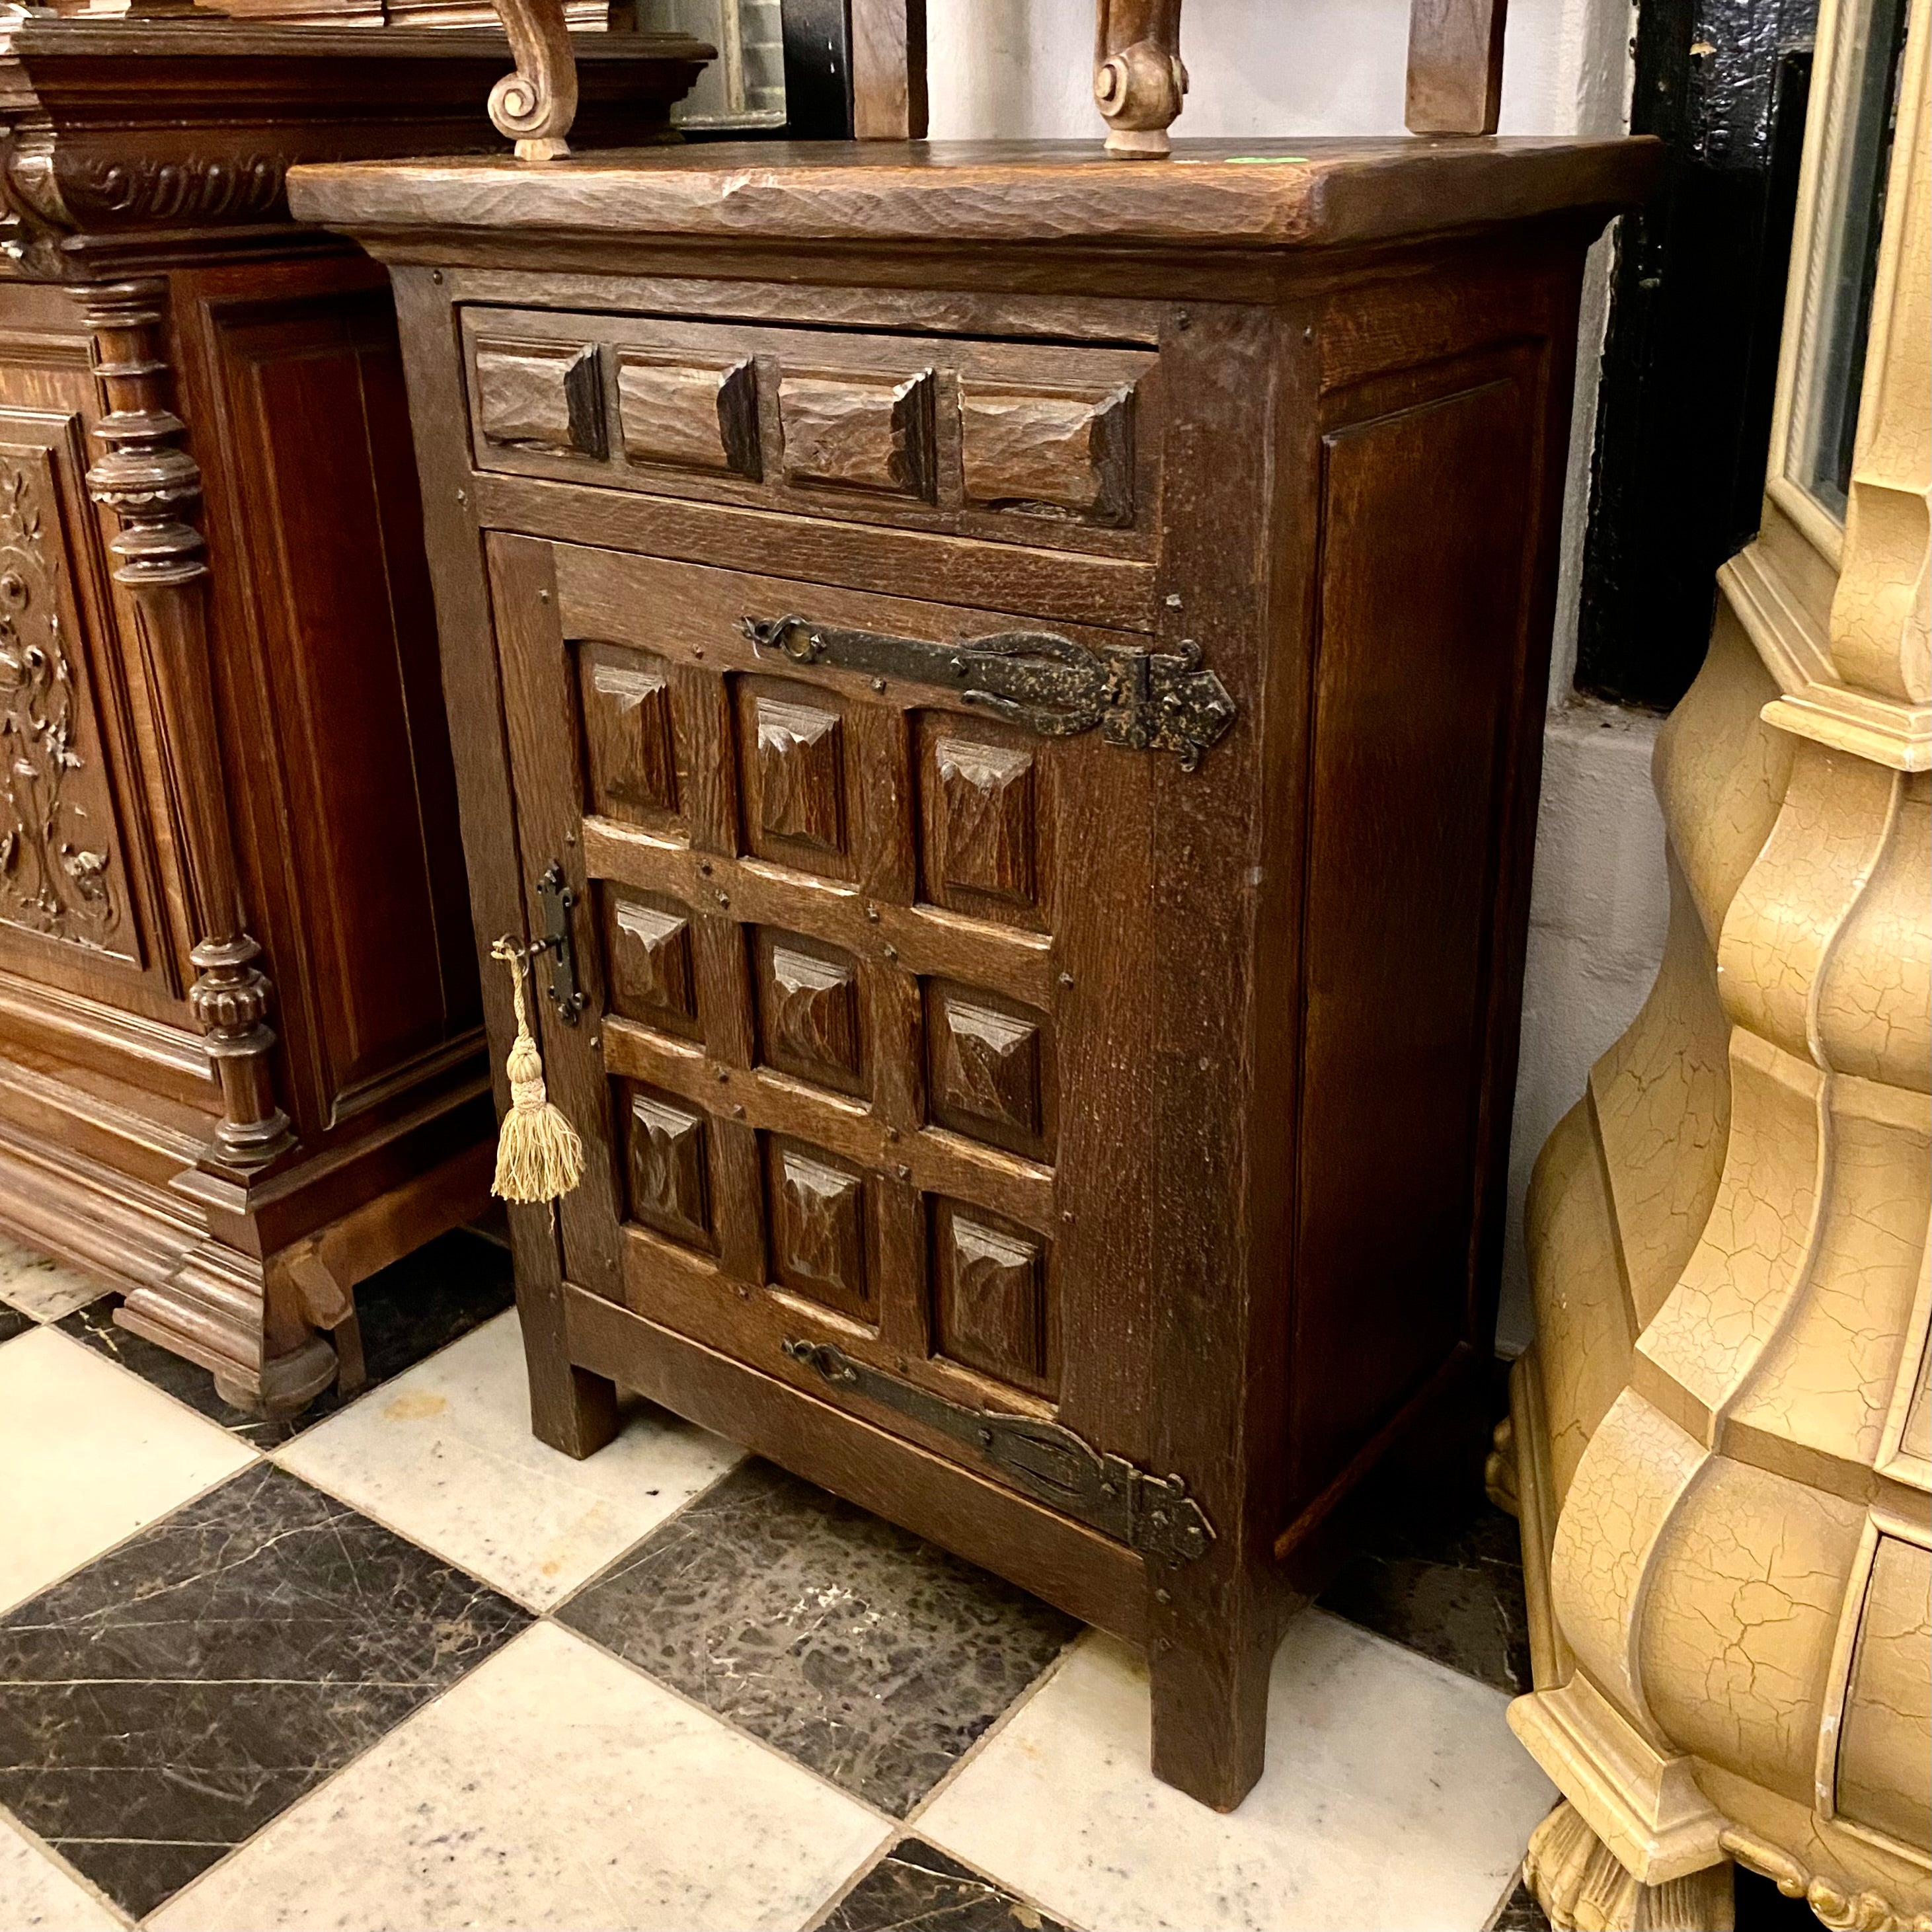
pixel 1145 701
pixel 1152 1514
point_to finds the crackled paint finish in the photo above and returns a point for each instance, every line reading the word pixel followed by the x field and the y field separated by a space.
pixel 1584 1329
pixel 1728 1242
pixel 1662 1096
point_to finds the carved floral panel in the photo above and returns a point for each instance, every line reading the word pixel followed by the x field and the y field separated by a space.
pixel 60 870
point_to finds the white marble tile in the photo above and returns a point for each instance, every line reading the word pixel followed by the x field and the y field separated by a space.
pixel 36 1895
pixel 445 1454
pixel 553 1787
pixel 92 1454
pixel 1394 1796
pixel 45 1289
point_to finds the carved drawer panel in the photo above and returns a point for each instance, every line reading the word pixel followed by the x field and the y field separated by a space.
pixel 854 432
pixel 1070 455
pixel 808 1009
pixel 794 779
pixel 1045 444
pixel 688 413
pixel 647 951
pixel 817 1221
pixel 988 1072
pixel 1884 1778
pixel 544 397
pixel 669 1161
pixel 629 744
pixel 985 823
pixel 991 1309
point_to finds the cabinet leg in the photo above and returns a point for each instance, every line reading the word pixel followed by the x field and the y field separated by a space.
pixel 1210 1721
pixel 290 1380
pixel 571 1409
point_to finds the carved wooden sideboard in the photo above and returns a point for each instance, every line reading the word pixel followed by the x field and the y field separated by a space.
pixel 228 835
pixel 1016 678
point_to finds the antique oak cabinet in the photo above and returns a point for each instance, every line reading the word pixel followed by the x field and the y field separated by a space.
pixel 228 832
pixel 1016 679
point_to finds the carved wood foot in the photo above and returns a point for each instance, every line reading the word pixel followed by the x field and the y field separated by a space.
pixel 288 1383
pixel 217 1308
pixel 1583 1887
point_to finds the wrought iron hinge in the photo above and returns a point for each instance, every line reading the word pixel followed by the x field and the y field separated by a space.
pixel 1153 1514
pixel 1146 701
pixel 560 898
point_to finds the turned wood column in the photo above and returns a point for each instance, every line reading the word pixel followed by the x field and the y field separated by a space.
pixel 152 485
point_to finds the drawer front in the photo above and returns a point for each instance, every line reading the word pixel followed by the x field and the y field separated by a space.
pixel 863 1069
pixel 1038 444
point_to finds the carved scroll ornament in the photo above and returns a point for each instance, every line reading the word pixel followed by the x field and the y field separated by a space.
pixel 1138 80
pixel 535 105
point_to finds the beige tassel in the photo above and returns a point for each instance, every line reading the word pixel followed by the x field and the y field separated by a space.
pixel 538 1155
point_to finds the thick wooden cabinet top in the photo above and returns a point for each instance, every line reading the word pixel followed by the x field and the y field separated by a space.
pixel 1211 195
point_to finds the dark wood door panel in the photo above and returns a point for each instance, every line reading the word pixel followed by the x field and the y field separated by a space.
pixel 378 954
pixel 835 1094
pixel 1404 791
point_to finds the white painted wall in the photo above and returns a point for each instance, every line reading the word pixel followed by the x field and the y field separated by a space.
pixel 1020 68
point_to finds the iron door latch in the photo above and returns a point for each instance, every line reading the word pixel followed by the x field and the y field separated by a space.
pixel 1145 701
pixel 1152 1514
pixel 560 899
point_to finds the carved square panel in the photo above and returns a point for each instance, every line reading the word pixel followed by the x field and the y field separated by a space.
pixel 992 1305
pixel 630 750
pixel 541 396
pixel 669 1165
pixel 984 828
pixel 818 1222
pixel 808 1002
pixel 859 432
pixel 796 782
pixel 689 415
pixel 987 1072
pixel 1068 455
pixel 648 960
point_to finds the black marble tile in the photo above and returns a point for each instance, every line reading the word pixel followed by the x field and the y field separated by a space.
pixel 12 1322
pixel 1520 1912
pixel 448 1287
pixel 1443 1574
pixel 161 1705
pixel 863 1652
pixel 916 1888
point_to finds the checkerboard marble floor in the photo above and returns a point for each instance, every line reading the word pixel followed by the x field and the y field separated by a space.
pixel 396 1664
